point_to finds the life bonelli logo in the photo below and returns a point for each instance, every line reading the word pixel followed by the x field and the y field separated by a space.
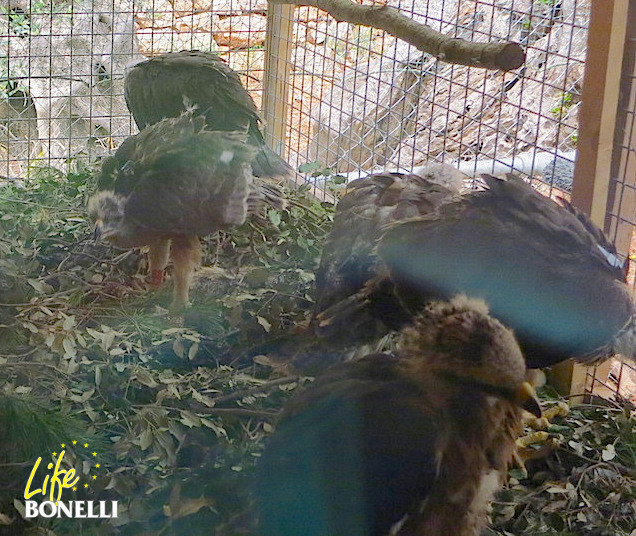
pixel 48 483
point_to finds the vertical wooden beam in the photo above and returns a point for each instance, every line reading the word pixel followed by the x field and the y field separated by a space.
pixel 278 49
pixel 622 193
pixel 597 118
pixel 597 126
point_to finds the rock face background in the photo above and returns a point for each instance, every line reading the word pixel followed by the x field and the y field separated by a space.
pixel 407 107
pixel 359 98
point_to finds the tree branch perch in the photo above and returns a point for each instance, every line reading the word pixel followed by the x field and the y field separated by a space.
pixel 503 56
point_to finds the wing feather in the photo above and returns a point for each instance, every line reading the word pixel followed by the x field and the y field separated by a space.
pixel 535 263
pixel 334 465
pixel 348 260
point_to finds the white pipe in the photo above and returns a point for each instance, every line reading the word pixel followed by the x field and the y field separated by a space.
pixel 529 163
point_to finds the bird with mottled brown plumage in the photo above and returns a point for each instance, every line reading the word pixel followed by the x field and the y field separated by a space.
pixel 544 269
pixel 348 258
pixel 414 442
pixel 349 261
pixel 172 183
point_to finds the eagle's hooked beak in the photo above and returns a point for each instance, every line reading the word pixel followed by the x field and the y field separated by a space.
pixel 526 397
pixel 97 230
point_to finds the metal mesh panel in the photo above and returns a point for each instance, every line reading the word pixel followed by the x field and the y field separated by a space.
pixel 62 65
pixel 361 99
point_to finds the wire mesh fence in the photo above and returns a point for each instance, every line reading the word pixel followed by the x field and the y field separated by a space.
pixel 355 99
pixel 364 100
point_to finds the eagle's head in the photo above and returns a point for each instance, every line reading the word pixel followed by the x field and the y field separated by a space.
pixel 106 210
pixel 461 340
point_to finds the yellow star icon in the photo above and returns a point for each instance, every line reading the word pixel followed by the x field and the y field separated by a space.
pixel 63 445
pixel 97 465
pixel 74 442
pixel 85 485
pixel 54 454
pixel 85 445
pixel 74 489
pixel 94 477
pixel 94 453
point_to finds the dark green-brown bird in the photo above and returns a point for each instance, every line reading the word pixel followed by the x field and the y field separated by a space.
pixel 415 442
pixel 168 84
pixel 172 183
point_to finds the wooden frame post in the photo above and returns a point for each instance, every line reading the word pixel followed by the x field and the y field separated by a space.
pixel 597 126
pixel 278 49
pixel 621 201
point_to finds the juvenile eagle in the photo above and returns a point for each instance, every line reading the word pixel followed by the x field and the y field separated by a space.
pixel 172 183
pixel 348 259
pixel 544 269
pixel 416 442
pixel 168 84
pixel 349 262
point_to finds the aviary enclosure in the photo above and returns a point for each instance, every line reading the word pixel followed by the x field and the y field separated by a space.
pixel 339 101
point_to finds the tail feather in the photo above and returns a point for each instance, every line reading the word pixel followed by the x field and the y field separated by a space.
pixel 268 164
pixel 264 195
pixel 300 351
pixel 366 316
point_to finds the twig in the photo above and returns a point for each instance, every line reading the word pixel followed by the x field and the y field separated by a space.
pixel 25 354
pixel 252 390
pixel 27 202
pixel 33 364
pixel 622 469
pixel 240 412
pixel 504 56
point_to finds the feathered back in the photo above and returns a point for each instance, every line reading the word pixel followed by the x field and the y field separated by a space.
pixel 348 258
pixel 169 84
pixel 165 85
pixel 180 177
pixel 542 269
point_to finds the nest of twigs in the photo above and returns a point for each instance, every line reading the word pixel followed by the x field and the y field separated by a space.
pixel 177 409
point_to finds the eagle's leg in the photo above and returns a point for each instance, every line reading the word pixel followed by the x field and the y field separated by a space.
pixel 158 254
pixel 186 253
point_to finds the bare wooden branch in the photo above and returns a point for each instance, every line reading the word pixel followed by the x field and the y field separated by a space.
pixel 503 56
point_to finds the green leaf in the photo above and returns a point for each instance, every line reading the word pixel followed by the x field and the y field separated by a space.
pixel 40 287
pixel 274 217
pixel 178 348
pixel 190 419
pixel 69 323
pixel 308 167
pixel 145 439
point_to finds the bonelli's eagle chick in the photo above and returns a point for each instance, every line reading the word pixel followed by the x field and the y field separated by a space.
pixel 544 269
pixel 172 183
pixel 349 263
pixel 167 84
pixel 414 442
